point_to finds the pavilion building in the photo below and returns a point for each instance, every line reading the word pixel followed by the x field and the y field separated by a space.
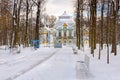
pixel 65 29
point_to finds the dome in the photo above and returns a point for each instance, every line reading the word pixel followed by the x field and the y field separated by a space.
pixel 64 18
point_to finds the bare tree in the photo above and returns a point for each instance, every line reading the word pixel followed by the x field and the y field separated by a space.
pixel 78 24
pixel 93 14
pixel 39 5
pixel 49 19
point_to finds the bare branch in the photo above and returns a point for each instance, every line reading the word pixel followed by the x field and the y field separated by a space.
pixel 35 2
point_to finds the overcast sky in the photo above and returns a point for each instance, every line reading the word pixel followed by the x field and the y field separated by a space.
pixel 57 7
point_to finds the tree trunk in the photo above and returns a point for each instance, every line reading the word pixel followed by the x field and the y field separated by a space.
pixel 38 20
pixel 102 10
pixel 78 24
pixel 26 28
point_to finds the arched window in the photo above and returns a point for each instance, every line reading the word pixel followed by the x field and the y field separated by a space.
pixel 59 33
pixel 70 41
pixel 64 33
pixel 70 33
pixel 74 33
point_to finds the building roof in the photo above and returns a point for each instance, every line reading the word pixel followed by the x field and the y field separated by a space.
pixel 64 18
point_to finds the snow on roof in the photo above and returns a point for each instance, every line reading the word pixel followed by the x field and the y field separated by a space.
pixel 64 15
pixel 64 18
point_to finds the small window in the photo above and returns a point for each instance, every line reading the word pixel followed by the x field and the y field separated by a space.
pixel 64 41
pixel 64 34
pixel 59 33
pixel 59 41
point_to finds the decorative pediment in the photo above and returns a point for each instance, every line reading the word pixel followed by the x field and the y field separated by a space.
pixel 65 25
pixel 64 22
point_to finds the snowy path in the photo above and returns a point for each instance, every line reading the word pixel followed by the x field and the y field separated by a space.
pixel 59 67
pixel 59 64
pixel 15 65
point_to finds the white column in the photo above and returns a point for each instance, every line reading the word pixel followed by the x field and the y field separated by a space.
pixel 67 33
pixel 57 33
pixel 72 33
pixel 51 38
pixel 62 33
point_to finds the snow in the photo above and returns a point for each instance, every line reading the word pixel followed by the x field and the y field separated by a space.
pixel 60 67
pixel 58 64
pixel 14 65
pixel 99 69
pixel 47 28
pixel 65 18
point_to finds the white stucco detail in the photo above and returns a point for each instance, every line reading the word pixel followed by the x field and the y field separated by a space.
pixel 65 23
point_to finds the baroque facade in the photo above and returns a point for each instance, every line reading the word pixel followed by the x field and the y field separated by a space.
pixel 65 29
pixel 46 36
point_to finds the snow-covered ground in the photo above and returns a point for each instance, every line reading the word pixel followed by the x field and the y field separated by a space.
pixel 13 65
pixel 99 69
pixel 57 64
pixel 59 67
